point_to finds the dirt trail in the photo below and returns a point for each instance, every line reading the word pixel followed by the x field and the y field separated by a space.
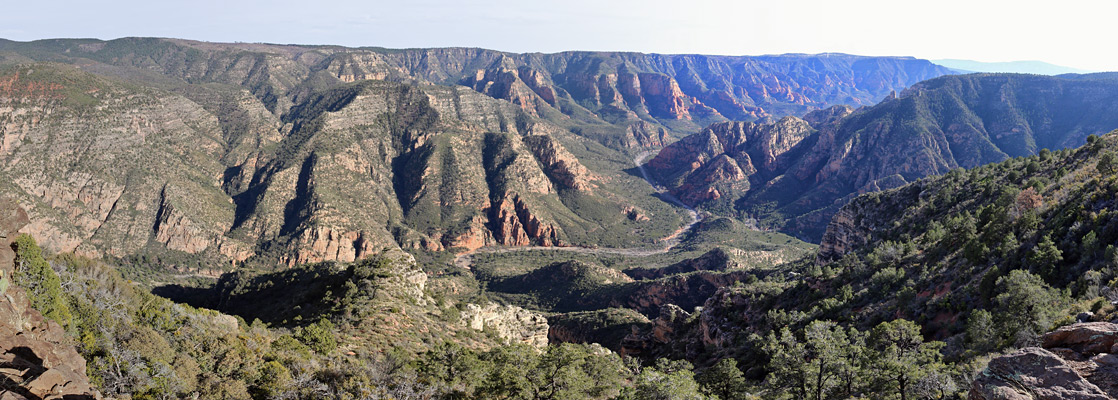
pixel 465 260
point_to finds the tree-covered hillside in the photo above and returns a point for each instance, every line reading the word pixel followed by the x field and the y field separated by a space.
pixel 978 261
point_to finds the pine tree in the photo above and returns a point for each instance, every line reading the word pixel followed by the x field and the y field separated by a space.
pixel 901 357
pixel 724 380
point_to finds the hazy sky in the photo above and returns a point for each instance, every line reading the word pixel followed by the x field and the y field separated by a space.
pixel 1071 33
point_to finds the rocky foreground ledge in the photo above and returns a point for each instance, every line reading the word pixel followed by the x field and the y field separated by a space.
pixel 1078 361
pixel 37 360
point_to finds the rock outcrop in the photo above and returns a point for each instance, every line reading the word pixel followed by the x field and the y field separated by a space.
pixel 662 95
pixel 671 320
pixel 510 323
pixel 608 327
pixel 521 86
pixel 645 135
pixel 857 222
pixel 38 360
pixel 686 291
pixel 841 236
pixel 12 218
pixel 1032 373
pixel 723 320
pixel 1088 338
pixel 1078 361
pixel 719 161
pixel 560 165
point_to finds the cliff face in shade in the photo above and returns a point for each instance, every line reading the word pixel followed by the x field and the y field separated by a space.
pixel 718 326
pixel 931 128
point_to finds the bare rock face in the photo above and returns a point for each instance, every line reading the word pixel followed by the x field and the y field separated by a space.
pixel 663 96
pixel 511 323
pixel 665 326
pixel 1078 361
pixel 37 359
pixel 515 225
pixel 336 178
pixel 842 235
pixel 671 321
pixel 560 164
pixel 351 67
pixel 12 218
pixel 645 135
pixel 393 164
pixel 718 161
pixel 702 185
pixel 717 325
pixel 522 85
pixel 722 321
pixel 820 119
pixel 321 243
pixel 857 222
pixel 1032 373
pixel 1088 338
pixel 502 81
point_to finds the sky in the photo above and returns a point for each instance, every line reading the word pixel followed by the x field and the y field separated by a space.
pixel 1071 33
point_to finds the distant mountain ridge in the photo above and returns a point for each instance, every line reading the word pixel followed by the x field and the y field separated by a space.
pixel 1018 67
pixel 683 92
pixel 831 155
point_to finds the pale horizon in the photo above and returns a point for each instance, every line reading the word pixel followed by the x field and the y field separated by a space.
pixel 952 29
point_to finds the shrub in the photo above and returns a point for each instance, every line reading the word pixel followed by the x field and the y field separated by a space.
pixel 319 336
pixel 1026 305
pixel 44 289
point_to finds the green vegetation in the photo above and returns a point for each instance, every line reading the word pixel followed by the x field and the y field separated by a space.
pixel 44 288
pixel 724 380
pixel 939 275
pixel 832 362
pixel 188 157
pixel 319 336
pixel 665 380
pixel 563 371
pixel 608 327
pixel 143 346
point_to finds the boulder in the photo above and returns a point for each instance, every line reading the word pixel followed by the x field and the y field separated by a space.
pixel 1085 316
pixel 1078 361
pixel 1032 373
pixel 1088 338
